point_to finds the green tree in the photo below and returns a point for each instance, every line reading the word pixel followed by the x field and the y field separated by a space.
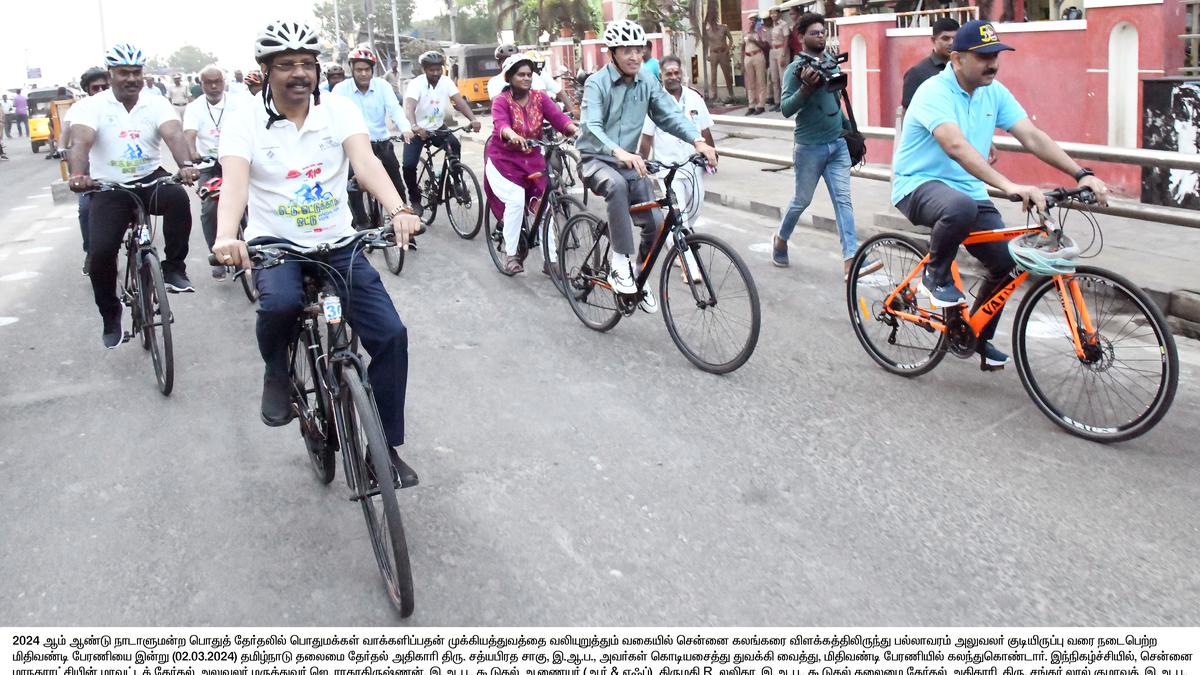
pixel 352 18
pixel 190 59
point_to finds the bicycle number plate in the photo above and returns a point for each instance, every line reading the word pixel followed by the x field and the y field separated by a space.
pixel 332 306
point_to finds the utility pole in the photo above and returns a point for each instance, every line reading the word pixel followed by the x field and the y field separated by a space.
pixel 450 12
pixel 369 6
pixel 395 37
pixel 103 36
pixel 337 33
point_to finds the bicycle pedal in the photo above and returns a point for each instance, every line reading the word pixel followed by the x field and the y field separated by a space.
pixel 126 337
pixel 987 369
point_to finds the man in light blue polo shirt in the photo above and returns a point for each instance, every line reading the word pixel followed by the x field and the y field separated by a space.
pixel 941 170
pixel 377 101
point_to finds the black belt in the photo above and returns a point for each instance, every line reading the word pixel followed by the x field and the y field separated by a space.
pixel 384 142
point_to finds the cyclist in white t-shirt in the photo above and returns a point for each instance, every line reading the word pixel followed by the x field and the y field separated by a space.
pixel 426 102
pixel 289 159
pixel 202 121
pixel 115 136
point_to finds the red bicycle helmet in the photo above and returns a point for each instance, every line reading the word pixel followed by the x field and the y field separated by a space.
pixel 363 54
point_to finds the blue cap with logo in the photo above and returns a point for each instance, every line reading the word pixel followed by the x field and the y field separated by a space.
pixel 979 37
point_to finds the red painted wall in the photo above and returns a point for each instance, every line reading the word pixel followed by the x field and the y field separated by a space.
pixel 1049 75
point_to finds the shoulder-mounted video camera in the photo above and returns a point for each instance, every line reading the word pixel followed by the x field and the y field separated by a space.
pixel 828 67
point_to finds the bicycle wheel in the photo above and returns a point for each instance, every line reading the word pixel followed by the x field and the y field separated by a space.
pixel 494 238
pixel 464 201
pixel 900 347
pixel 553 224
pixel 364 439
pixel 583 252
pixel 248 287
pixel 710 304
pixel 312 406
pixel 156 320
pixel 1126 381
pixel 427 184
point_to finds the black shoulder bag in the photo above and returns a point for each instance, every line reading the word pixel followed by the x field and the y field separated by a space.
pixel 856 143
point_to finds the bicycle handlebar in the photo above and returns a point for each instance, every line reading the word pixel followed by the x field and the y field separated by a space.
pixel 269 255
pixel 1057 196
pixel 108 186
pixel 654 166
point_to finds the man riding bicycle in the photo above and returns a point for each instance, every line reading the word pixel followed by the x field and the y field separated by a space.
pixel 289 159
pixel 202 120
pixel 115 137
pixel 942 172
pixel 616 102
pixel 426 101
pixel 375 98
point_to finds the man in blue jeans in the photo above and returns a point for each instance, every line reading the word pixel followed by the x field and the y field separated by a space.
pixel 820 150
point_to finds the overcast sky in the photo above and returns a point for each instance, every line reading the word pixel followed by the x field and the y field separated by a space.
pixel 70 40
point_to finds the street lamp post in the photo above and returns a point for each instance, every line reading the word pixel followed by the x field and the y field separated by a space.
pixel 337 33
pixel 103 35
pixel 395 37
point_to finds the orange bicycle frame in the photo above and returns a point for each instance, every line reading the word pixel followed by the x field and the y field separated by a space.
pixel 1073 306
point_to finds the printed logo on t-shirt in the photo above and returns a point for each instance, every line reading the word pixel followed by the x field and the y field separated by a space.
pixel 133 158
pixel 311 204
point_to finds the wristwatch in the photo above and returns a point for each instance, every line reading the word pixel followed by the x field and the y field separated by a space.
pixel 1084 171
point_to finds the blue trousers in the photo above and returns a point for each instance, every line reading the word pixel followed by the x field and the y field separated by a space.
pixel 830 161
pixel 368 308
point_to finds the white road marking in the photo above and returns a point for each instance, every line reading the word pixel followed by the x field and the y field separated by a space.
pixel 24 208
pixel 36 249
pixel 6 320
pixel 35 196
pixel 57 229
pixel 760 248
pixel 18 276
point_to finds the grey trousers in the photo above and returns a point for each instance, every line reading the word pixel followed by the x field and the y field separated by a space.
pixel 621 187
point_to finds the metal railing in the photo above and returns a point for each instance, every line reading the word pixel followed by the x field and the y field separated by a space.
pixel 1191 39
pixel 1079 151
pixel 926 17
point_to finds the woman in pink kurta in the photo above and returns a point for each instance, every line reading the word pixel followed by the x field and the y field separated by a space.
pixel 517 116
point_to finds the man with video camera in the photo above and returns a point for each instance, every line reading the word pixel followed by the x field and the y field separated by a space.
pixel 812 86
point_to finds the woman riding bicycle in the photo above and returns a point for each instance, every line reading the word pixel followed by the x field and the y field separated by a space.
pixel 517 116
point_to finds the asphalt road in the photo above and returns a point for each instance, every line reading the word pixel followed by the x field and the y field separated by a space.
pixel 567 477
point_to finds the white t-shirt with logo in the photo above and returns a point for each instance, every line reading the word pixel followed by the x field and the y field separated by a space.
pixel 297 176
pixel 127 141
pixel 432 102
pixel 669 149
pixel 541 82
pixel 206 120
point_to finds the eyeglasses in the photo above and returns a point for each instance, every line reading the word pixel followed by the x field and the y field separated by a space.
pixel 289 66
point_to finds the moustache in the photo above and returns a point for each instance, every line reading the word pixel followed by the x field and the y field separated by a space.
pixel 299 83
pixel 990 71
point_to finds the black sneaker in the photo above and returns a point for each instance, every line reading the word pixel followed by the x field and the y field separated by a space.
pixel 276 401
pixel 87 265
pixel 113 336
pixel 990 358
pixel 177 281
pixel 4 158
pixel 403 475
pixel 941 295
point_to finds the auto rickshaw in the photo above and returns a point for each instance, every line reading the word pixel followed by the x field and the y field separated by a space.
pixel 45 107
pixel 471 66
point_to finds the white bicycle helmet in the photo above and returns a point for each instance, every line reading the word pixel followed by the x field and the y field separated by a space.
pixel 513 62
pixel 1038 254
pixel 124 54
pixel 624 33
pixel 285 36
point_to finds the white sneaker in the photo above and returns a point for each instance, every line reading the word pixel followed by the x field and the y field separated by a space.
pixel 621 279
pixel 649 303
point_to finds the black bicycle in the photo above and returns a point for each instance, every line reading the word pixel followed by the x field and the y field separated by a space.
pixel 701 273
pixel 142 289
pixel 455 185
pixel 393 256
pixel 211 190
pixel 333 399
pixel 541 228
